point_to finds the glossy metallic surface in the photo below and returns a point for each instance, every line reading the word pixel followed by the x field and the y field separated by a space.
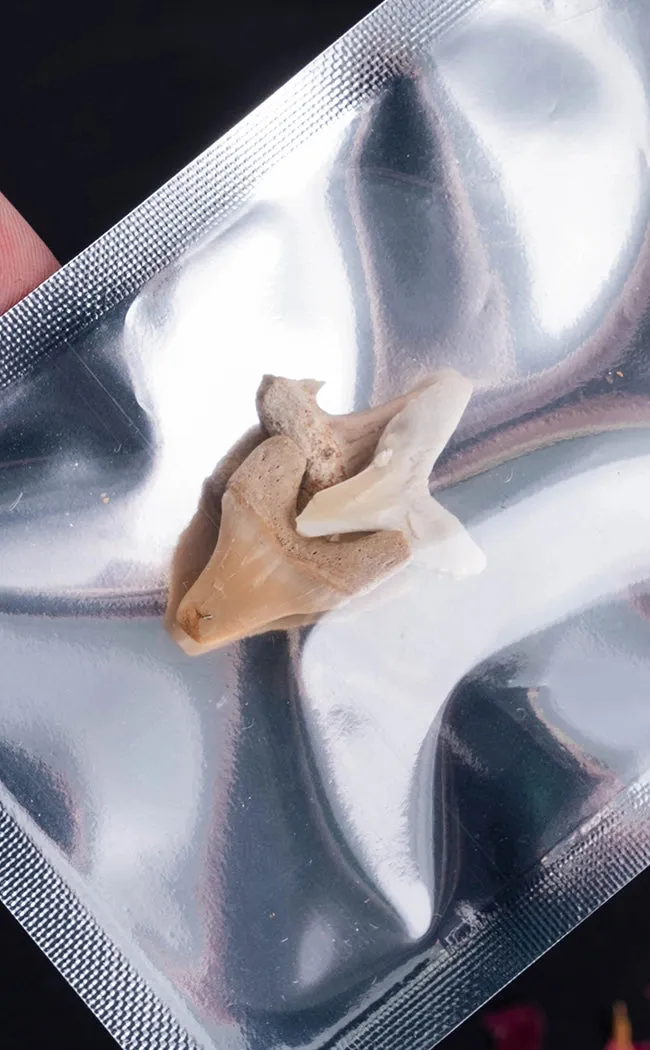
pixel 272 831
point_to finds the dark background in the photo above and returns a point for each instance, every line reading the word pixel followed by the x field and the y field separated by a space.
pixel 100 104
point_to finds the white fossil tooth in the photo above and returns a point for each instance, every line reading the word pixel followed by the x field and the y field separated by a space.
pixel 393 492
pixel 262 576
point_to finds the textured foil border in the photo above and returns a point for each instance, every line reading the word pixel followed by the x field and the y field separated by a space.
pixel 582 874
pixel 72 939
pixel 531 916
pixel 219 180
pixel 475 963
pixel 205 193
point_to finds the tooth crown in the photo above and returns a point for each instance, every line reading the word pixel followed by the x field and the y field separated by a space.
pixel 289 407
pixel 262 572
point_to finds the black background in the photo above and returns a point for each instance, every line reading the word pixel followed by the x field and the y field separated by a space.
pixel 100 104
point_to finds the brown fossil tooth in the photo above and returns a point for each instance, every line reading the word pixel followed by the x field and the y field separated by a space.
pixel 197 542
pixel 336 447
pixel 192 648
pixel 262 576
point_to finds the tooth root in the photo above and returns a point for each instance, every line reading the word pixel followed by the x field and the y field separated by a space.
pixel 288 407
pixel 263 576
pixel 336 447
pixel 193 648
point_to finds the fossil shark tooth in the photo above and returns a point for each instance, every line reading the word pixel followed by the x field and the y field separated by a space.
pixel 393 491
pixel 197 542
pixel 262 575
pixel 336 446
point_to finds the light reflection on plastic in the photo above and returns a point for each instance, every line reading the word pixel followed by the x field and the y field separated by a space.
pixel 258 298
pixel 575 206
pixel 392 667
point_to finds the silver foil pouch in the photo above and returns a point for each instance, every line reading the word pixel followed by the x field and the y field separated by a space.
pixel 351 834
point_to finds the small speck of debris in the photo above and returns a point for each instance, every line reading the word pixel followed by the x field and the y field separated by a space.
pixel 271 915
pixel 15 503
pixel 620 374
pixel 104 498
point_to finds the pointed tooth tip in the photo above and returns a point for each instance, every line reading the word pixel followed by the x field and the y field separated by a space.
pixel 191 621
pixel 204 632
pixel 453 380
pixel 312 524
pixel 305 526
pixel 476 564
pixel 473 563
pixel 205 629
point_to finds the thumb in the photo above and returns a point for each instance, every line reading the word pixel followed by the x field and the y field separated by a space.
pixel 24 260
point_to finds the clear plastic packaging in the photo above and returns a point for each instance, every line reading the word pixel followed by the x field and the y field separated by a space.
pixel 352 834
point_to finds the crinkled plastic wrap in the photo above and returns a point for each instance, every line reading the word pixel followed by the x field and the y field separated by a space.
pixel 352 834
